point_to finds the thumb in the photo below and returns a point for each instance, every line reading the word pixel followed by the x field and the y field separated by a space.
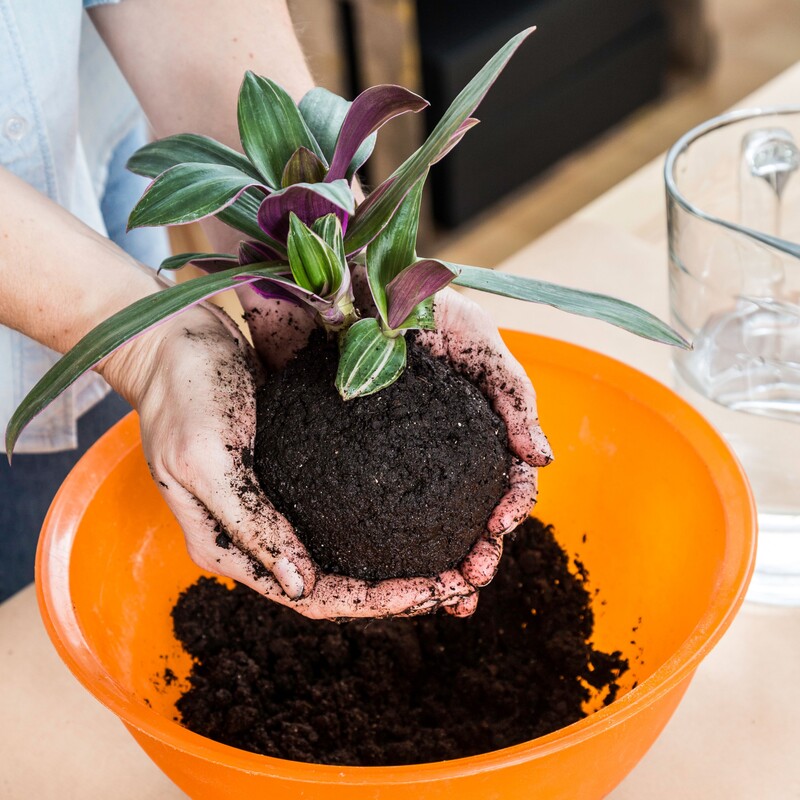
pixel 255 527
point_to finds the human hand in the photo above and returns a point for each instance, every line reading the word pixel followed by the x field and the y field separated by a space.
pixel 193 382
pixel 466 335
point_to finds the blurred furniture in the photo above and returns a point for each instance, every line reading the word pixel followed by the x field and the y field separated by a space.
pixel 587 67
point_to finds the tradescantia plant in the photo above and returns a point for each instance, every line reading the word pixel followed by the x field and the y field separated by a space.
pixel 291 196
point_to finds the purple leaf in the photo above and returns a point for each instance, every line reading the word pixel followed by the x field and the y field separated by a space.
pixel 415 283
pixel 284 288
pixel 256 252
pixel 369 111
pixel 269 290
pixel 469 122
pixel 308 204
pixel 303 167
pixel 369 222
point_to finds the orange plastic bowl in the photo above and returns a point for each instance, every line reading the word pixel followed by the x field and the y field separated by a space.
pixel 643 490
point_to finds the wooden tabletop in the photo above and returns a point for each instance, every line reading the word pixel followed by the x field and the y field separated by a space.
pixel 735 736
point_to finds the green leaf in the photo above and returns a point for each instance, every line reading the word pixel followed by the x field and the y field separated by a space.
pixel 271 127
pixel 187 193
pixel 315 264
pixel 303 167
pixel 587 304
pixel 373 216
pixel 159 156
pixel 186 148
pixel 421 318
pixel 182 259
pixel 329 228
pixel 394 248
pixel 324 112
pixel 243 216
pixel 368 359
pixel 119 329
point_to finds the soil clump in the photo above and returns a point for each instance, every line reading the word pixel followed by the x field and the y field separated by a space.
pixel 396 484
pixel 398 691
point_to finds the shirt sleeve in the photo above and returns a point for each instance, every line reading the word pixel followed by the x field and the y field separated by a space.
pixel 93 3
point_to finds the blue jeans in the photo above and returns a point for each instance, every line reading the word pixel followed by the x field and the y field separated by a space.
pixel 27 488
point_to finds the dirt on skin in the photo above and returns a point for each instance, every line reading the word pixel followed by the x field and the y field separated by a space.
pixel 398 691
pixel 397 484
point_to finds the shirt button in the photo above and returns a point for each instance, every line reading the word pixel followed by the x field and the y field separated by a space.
pixel 15 128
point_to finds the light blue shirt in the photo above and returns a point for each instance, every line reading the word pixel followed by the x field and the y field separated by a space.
pixel 65 110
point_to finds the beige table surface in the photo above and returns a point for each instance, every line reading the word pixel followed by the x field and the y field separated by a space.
pixel 736 735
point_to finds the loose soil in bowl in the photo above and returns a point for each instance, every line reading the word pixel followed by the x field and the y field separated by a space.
pixel 375 486
pixel 398 691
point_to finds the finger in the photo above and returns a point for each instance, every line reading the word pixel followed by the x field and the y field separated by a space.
pixel 481 563
pixel 340 597
pixel 464 608
pixel 514 401
pixel 279 329
pixel 210 547
pixel 518 501
pixel 467 335
pixel 256 528
pixel 239 340
pixel 222 478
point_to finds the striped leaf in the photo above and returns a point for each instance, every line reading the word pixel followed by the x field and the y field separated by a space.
pixel 180 260
pixel 368 359
pixel 188 193
pixel 316 266
pixel 324 113
pixel 415 284
pixel 119 329
pixel 372 109
pixel 159 156
pixel 394 248
pixel 587 304
pixel 303 167
pixel 372 217
pixel 329 228
pixel 271 127
pixel 186 148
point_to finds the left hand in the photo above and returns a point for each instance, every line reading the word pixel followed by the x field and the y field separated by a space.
pixel 466 335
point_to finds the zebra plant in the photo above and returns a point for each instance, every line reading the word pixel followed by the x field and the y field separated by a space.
pixel 291 196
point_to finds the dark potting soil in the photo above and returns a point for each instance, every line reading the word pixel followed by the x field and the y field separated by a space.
pixel 375 487
pixel 398 691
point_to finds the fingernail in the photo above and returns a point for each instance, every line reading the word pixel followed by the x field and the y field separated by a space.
pixel 510 526
pixel 429 605
pixel 542 449
pixel 289 578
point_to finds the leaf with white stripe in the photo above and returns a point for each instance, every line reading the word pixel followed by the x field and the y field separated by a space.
pixel 188 193
pixel 368 359
pixel 587 304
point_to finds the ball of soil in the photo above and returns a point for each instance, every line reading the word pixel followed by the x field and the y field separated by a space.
pixel 396 484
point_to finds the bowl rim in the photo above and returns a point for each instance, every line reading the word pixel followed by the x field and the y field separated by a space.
pixel 735 570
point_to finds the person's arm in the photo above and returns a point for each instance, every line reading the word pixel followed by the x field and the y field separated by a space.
pixel 185 60
pixel 58 280
pixel 47 288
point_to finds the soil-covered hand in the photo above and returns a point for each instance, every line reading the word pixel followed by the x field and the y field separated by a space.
pixel 466 335
pixel 192 381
